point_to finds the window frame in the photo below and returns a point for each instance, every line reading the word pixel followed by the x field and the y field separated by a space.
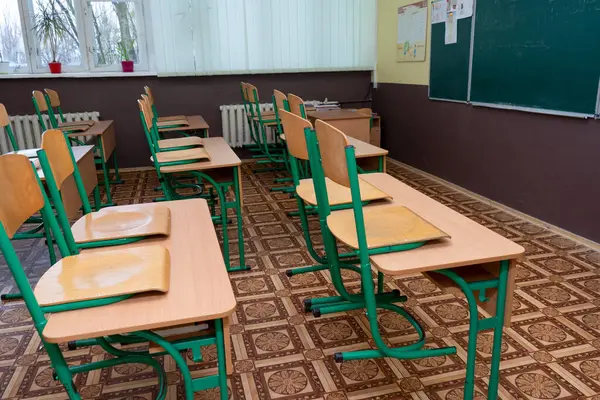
pixel 140 21
pixel 85 32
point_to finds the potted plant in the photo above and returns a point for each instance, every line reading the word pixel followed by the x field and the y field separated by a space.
pixel 125 49
pixel 4 65
pixel 50 29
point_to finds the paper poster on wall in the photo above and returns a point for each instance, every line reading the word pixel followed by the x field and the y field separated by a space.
pixel 439 11
pixel 464 9
pixel 412 32
pixel 451 28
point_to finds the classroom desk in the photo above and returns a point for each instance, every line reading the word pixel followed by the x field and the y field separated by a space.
pixel 196 123
pixel 350 122
pixel 84 157
pixel 368 157
pixel 224 167
pixel 199 291
pixel 471 245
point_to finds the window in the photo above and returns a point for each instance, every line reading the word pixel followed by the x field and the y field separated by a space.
pixel 12 46
pixel 83 35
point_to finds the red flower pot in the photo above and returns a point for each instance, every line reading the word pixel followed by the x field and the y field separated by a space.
pixel 127 66
pixel 55 67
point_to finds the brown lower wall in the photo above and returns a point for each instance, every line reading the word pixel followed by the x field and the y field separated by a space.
pixel 115 98
pixel 545 166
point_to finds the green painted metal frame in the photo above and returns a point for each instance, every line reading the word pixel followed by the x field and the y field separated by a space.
pixel 220 189
pixel 11 137
pixel 65 373
pixel 371 301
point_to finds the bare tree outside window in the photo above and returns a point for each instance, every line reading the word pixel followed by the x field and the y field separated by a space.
pixel 12 46
pixel 114 23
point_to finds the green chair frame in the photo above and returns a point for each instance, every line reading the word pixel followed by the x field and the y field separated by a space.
pixel 371 301
pixel 169 185
pixel 273 152
pixel 19 164
pixel 347 259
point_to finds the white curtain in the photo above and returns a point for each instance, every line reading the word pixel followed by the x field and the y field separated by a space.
pixel 201 37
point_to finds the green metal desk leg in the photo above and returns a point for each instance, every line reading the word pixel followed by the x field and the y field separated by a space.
pixel 109 202
pixel 221 363
pixel 380 164
pixel 497 343
pixel 118 179
pixel 238 212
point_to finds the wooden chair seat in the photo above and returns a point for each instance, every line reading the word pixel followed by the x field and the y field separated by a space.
pixel 74 128
pixel 386 225
pixel 182 155
pixel 104 274
pixel 29 153
pixel 123 222
pixel 338 194
pixel 172 118
pixel 75 123
pixel 179 142
pixel 170 169
pixel 171 122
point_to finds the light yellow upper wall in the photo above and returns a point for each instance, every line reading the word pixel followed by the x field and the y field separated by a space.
pixel 388 70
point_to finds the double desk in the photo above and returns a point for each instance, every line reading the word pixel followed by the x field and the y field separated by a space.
pixel 199 291
pixel 474 253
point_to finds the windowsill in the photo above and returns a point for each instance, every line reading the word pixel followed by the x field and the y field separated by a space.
pixel 112 74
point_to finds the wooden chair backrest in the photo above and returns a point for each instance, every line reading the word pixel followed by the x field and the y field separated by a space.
pixel 40 100
pixel 280 99
pixel 59 155
pixel 295 103
pixel 148 92
pixel 365 111
pixel 21 197
pixel 53 96
pixel 293 126
pixel 252 93
pixel 146 112
pixel 332 143
pixel 244 86
pixel 4 121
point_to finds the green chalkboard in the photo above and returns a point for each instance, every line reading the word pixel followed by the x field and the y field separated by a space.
pixel 537 53
pixel 449 76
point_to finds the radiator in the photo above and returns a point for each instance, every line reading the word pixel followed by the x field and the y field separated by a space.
pixel 236 131
pixel 28 132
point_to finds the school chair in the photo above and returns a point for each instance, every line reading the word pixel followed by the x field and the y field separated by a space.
pixel 370 231
pixel 297 105
pixel 258 122
pixel 173 166
pixel 280 102
pixel 44 103
pixel 40 230
pixel 339 197
pixel 174 121
pixel 5 124
pixel 60 289
pixel 52 102
pixel 111 226
pixel 367 111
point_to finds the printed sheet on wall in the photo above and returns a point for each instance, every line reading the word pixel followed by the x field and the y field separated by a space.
pixel 412 32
